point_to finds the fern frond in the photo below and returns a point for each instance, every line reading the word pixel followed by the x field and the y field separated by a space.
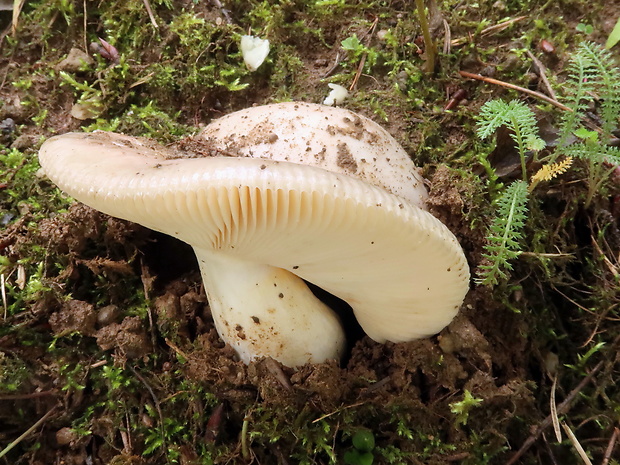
pixel 518 118
pixel 606 83
pixel 581 78
pixel 548 172
pixel 578 86
pixel 515 115
pixel 493 115
pixel 592 70
pixel 595 153
pixel 504 234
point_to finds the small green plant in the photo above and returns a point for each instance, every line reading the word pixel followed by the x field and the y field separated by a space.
pixel 357 49
pixel 504 235
pixel 505 230
pixel 594 78
pixel 592 72
pixel 363 445
pixel 585 28
pixel 519 119
pixel 90 99
pixel 13 373
pixel 462 408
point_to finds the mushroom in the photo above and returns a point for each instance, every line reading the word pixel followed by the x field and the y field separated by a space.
pixel 261 223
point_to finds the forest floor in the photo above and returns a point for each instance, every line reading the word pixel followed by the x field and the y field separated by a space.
pixel 108 353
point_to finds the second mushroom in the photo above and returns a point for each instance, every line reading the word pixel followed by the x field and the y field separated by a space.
pixel 286 193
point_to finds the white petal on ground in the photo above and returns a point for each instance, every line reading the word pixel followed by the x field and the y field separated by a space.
pixel 336 95
pixel 254 51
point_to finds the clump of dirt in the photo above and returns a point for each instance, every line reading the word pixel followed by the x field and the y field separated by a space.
pixel 74 316
pixel 128 337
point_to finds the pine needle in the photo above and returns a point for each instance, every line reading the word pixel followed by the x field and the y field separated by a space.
pixel 575 442
pixel 554 411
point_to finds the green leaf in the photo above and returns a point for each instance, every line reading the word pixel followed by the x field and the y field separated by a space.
pixel 515 115
pixel 355 457
pixel 586 134
pixel 364 441
pixel 351 43
pixel 614 37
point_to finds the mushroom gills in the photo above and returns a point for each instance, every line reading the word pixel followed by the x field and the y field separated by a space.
pixel 401 270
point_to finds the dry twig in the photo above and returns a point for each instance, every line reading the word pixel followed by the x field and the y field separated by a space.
pixel 533 93
pixel 562 408
pixel 41 420
pixel 362 62
pixel 575 442
pixel 32 395
pixel 611 446
pixel 149 10
pixel 489 30
pixel 17 9
pixel 542 73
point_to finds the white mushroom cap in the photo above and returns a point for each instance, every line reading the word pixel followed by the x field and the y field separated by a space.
pixel 331 138
pixel 258 226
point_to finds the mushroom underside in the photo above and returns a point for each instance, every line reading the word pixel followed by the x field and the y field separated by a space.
pixel 401 270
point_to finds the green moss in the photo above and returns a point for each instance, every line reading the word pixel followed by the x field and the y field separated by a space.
pixel 172 79
pixel 13 373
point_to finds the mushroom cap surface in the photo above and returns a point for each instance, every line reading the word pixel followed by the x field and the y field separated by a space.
pixel 401 270
pixel 331 138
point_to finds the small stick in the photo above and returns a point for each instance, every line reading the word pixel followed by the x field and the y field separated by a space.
pixel 32 395
pixel 177 350
pixel 360 67
pixel 543 75
pixel 125 436
pixel 331 70
pixel 447 38
pixel 491 29
pixel 150 12
pixel 549 451
pixel 3 290
pixel 612 268
pixel 554 411
pixel 562 408
pixel 610 446
pixel 17 9
pixel 514 87
pixel 85 25
pixel 8 448
pixel 546 255
pixel 575 442
pixel 338 411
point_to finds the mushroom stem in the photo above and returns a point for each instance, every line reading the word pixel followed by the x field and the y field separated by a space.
pixel 263 311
